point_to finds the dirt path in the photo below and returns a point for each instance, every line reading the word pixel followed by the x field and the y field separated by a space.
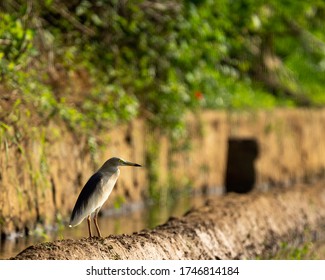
pixel 231 227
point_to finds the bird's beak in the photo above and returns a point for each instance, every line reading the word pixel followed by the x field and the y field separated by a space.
pixel 128 163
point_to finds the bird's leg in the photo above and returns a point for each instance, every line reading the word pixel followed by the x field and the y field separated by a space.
pixel 89 226
pixel 96 223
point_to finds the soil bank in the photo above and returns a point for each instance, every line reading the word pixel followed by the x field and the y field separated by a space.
pixel 231 227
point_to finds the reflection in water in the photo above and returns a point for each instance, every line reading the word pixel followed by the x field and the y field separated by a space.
pixel 113 222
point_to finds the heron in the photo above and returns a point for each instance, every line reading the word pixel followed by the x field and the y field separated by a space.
pixel 96 191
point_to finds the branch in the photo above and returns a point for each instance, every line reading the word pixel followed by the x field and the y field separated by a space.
pixel 64 12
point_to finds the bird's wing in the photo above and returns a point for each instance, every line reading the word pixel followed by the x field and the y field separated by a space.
pixel 83 206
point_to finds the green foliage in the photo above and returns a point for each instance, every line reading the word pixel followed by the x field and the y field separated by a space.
pixel 289 252
pixel 15 44
pixel 160 59
pixel 242 52
pixel 119 202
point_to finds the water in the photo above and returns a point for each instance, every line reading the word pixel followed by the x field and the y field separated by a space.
pixel 124 220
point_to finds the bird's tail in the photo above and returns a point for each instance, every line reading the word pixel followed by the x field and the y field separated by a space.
pixel 75 219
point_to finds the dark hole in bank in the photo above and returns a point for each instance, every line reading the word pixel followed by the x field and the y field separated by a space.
pixel 240 173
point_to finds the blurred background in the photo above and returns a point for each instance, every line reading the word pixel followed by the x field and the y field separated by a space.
pixel 210 96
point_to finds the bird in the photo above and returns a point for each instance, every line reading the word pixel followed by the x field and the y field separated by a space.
pixel 96 191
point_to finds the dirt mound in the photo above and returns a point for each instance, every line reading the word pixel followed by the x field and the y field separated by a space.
pixel 230 227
